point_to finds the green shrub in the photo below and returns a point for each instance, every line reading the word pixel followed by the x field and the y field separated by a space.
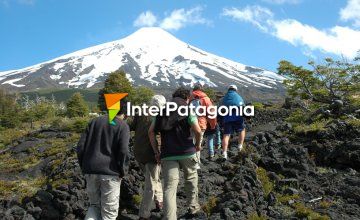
pixel 267 184
pixel 137 199
pixel 210 205
pixel 301 211
pixel 77 124
pixel 297 117
pixel 353 122
pixel 255 216
pixel 7 136
pixel 284 199
pixel 314 127
pixel 325 204
pixel 258 105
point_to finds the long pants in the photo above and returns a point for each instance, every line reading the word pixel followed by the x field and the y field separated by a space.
pixel 152 188
pixel 171 169
pixel 213 139
pixel 104 194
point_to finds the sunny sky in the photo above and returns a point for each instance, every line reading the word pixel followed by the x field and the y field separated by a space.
pixel 258 33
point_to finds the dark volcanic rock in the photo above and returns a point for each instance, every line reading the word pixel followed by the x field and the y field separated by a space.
pixel 234 185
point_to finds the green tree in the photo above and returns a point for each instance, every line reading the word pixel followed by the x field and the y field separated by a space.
pixel 9 110
pixel 211 93
pixel 115 83
pixel 118 83
pixel 141 95
pixel 76 106
pixel 324 83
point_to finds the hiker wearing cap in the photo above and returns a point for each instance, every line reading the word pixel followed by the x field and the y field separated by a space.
pixel 178 151
pixel 232 123
pixel 103 154
pixel 146 156
pixel 200 98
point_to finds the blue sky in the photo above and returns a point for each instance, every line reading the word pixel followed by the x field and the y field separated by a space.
pixel 258 33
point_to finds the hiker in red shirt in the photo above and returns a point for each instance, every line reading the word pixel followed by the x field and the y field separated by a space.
pixel 199 98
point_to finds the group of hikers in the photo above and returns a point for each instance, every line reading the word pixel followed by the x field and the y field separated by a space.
pixel 162 146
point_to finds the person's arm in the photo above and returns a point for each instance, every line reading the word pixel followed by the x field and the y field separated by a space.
pixel 123 150
pixel 152 138
pixel 80 148
pixel 197 133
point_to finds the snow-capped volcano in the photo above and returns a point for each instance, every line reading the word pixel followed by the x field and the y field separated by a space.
pixel 150 57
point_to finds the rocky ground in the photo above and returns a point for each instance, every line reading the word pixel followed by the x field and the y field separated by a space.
pixel 280 175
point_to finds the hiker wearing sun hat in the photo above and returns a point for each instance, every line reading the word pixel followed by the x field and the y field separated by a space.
pixel 232 123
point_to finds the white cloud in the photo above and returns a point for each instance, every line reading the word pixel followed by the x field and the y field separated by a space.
pixel 180 18
pixel 336 40
pixel 177 19
pixel 351 12
pixel 252 14
pixel 280 2
pixel 145 19
pixel 7 3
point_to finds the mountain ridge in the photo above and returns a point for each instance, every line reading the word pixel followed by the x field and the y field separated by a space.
pixel 151 57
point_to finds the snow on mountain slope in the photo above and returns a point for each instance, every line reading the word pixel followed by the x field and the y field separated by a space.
pixel 150 57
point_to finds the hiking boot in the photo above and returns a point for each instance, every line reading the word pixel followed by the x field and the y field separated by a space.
pixel 211 156
pixel 224 155
pixel 240 147
pixel 158 206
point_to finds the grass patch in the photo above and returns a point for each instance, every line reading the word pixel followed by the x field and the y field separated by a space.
pixel 353 122
pixel 55 183
pixel 210 205
pixel 296 117
pixel 137 199
pixel 76 124
pixel 22 188
pixel 284 199
pixel 314 127
pixel 9 164
pixel 255 216
pixel 301 211
pixel 267 184
pixel 7 136
pixel 258 106
pixel 325 204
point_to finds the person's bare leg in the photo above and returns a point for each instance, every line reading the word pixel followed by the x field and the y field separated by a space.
pixel 225 144
pixel 241 139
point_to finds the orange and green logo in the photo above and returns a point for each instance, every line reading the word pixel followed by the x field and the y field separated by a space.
pixel 113 104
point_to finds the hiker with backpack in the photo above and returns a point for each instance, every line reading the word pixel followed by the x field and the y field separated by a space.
pixel 103 155
pixel 232 123
pixel 145 156
pixel 200 98
pixel 178 151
